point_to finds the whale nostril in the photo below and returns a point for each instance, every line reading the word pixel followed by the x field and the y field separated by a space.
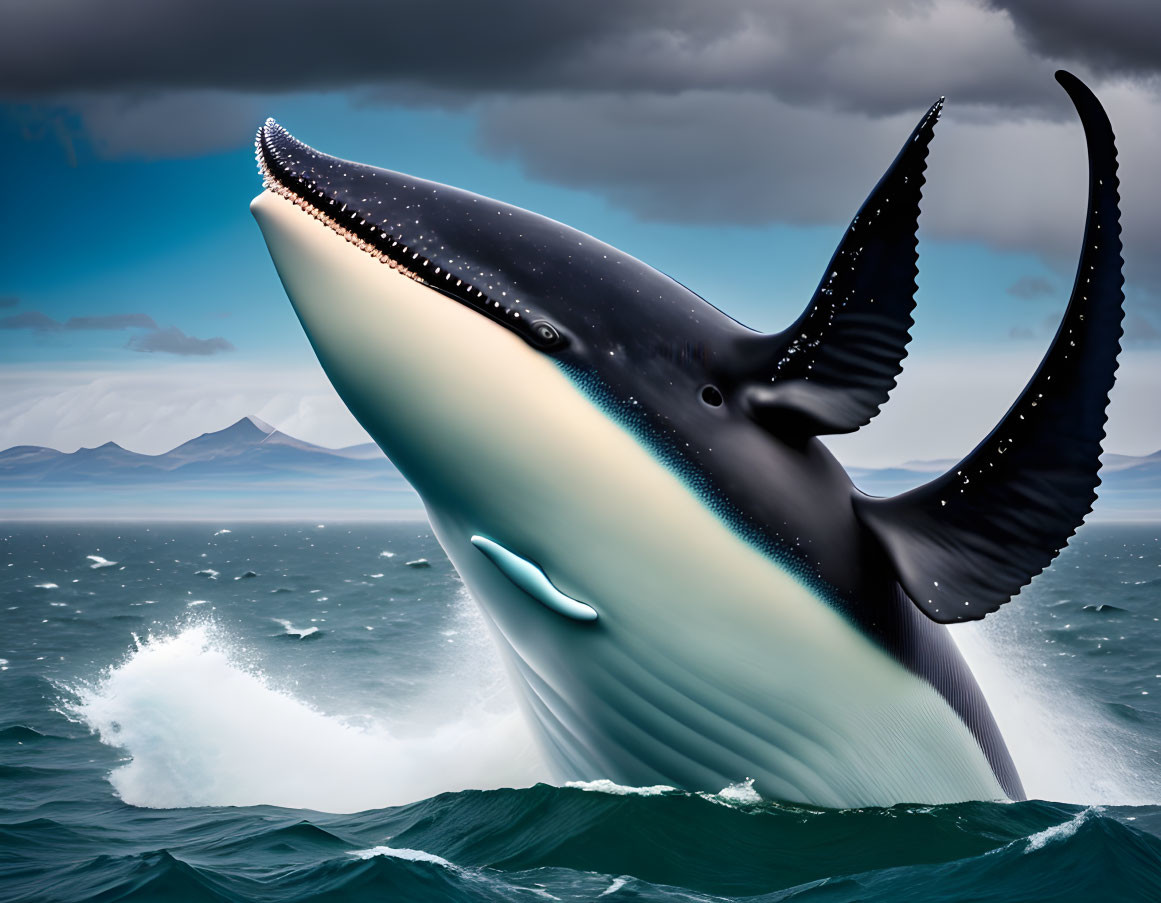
pixel 711 396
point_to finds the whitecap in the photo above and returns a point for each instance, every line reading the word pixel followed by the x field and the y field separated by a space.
pixel 1060 832
pixel 207 572
pixel 402 853
pixel 99 562
pixel 47 586
pixel 196 602
pixel 386 554
pixel 617 884
pixel 220 532
pixel 419 563
pixel 606 786
pixel 289 629
pixel 741 792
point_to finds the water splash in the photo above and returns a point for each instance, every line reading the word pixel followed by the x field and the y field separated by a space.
pixel 1065 747
pixel 203 726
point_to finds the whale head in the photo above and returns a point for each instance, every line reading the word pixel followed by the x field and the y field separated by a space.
pixel 443 316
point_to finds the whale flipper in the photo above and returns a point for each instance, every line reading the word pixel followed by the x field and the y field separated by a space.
pixel 529 577
pixel 833 368
pixel 965 543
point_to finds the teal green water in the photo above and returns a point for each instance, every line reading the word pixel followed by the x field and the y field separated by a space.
pixel 335 727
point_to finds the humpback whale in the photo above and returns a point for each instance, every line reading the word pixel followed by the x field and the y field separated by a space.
pixel 683 583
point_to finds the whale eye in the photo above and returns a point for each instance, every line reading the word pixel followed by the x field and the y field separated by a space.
pixel 545 334
pixel 711 396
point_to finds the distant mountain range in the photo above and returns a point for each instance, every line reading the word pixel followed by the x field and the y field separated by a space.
pixel 251 470
pixel 248 469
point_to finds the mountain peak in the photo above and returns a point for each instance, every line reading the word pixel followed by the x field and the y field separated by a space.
pixel 247 428
pixel 108 446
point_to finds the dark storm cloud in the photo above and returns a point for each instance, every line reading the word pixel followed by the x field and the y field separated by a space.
pixel 1031 287
pixel 185 124
pixel 452 49
pixel 741 111
pixel 750 160
pixel 173 341
pixel 1117 36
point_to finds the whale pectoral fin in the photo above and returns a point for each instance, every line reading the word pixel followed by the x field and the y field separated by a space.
pixel 965 543
pixel 532 580
pixel 833 369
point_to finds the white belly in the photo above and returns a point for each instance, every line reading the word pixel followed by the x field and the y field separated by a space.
pixel 703 670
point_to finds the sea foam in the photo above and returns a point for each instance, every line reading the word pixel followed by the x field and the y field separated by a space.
pixel 202 726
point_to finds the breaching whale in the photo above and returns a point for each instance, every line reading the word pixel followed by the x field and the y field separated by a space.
pixel 684 584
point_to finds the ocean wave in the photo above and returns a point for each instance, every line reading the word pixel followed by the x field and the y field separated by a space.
pixel 20 733
pixel 546 841
pixel 1062 831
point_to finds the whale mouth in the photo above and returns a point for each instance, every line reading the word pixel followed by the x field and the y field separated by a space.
pixel 285 165
pixel 325 188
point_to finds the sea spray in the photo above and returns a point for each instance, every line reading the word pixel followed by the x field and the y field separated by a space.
pixel 1065 746
pixel 202 726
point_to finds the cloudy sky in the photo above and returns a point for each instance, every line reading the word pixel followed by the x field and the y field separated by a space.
pixel 726 143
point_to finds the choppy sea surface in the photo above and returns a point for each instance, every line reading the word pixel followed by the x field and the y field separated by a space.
pixel 306 712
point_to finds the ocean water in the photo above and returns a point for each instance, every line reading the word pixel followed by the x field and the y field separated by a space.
pixel 304 712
